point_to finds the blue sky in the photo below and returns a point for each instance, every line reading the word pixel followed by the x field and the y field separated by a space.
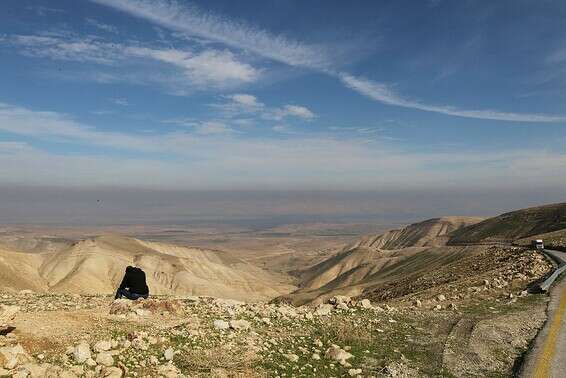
pixel 283 94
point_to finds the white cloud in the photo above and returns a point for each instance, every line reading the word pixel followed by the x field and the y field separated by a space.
pixel 212 128
pixel 202 69
pixel 242 103
pixel 294 111
pixel 102 26
pixel 246 100
pixel 380 92
pixel 193 21
pixel 58 48
pixel 212 157
pixel 209 66
pixel 121 101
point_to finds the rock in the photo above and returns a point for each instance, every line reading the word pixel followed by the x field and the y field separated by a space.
pixel 90 362
pixel 292 357
pixel 441 298
pixel 338 354
pixel 10 357
pixel 340 299
pixel 221 324
pixel 142 312
pixel 417 303
pixel 7 314
pixel 452 306
pixel 112 372
pixel 354 372
pixel 365 303
pixel 104 358
pixel 437 307
pixel 227 303
pixel 102 346
pixel 169 354
pixel 524 293
pixel 315 356
pixel 287 311
pixel 168 371
pixel 81 352
pixel 323 309
pixel 342 306
pixel 240 324
pixel 121 307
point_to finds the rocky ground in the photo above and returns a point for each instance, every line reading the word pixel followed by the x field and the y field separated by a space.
pixel 444 330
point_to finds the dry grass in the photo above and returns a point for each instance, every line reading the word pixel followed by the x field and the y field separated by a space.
pixel 219 361
pixel 346 333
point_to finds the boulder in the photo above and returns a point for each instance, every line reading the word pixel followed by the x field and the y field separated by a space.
pixel 365 303
pixel 340 299
pixel 112 372
pixel 12 356
pixel 354 372
pixel 292 357
pixel 102 346
pixel 324 309
pixel 81 352
pixel 7 316
pixel 169 354
pixel 221 324
pixel 336 353
pixel 105 359
pixel 240 324
pixel 168 371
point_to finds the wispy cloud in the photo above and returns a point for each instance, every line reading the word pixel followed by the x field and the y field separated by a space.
pixel 193 21
pixel 244 104
pixel 102 26
pixel 120 101
pixel 207 68
pixel 210 157
pixel 382 93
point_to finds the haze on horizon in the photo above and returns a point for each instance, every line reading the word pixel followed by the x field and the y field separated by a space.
pixel 388 109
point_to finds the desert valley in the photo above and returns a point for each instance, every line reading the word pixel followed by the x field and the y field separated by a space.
pixel 449 296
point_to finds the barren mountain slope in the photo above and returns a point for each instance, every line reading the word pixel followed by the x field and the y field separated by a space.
pixel 429 233
pixel 378 259
pixel 399 256
pixel 19 271
pixel 514 225
pixel 96 266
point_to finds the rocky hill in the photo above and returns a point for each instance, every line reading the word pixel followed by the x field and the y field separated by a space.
pixel 514 225
pixel 407 260
pixel 429 233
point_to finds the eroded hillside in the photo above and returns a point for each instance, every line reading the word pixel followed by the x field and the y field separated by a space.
pixel 96 266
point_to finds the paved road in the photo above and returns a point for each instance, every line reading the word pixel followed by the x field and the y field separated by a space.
pixel 548 357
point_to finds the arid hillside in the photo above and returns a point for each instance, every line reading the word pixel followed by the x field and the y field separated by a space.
pixel 429 233
pixel 96 266
pixel 417 257
pixel 514 225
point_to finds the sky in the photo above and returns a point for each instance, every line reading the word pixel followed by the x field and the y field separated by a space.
pixel 283 95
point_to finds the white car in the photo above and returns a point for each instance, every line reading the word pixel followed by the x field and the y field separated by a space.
pixel 538 244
